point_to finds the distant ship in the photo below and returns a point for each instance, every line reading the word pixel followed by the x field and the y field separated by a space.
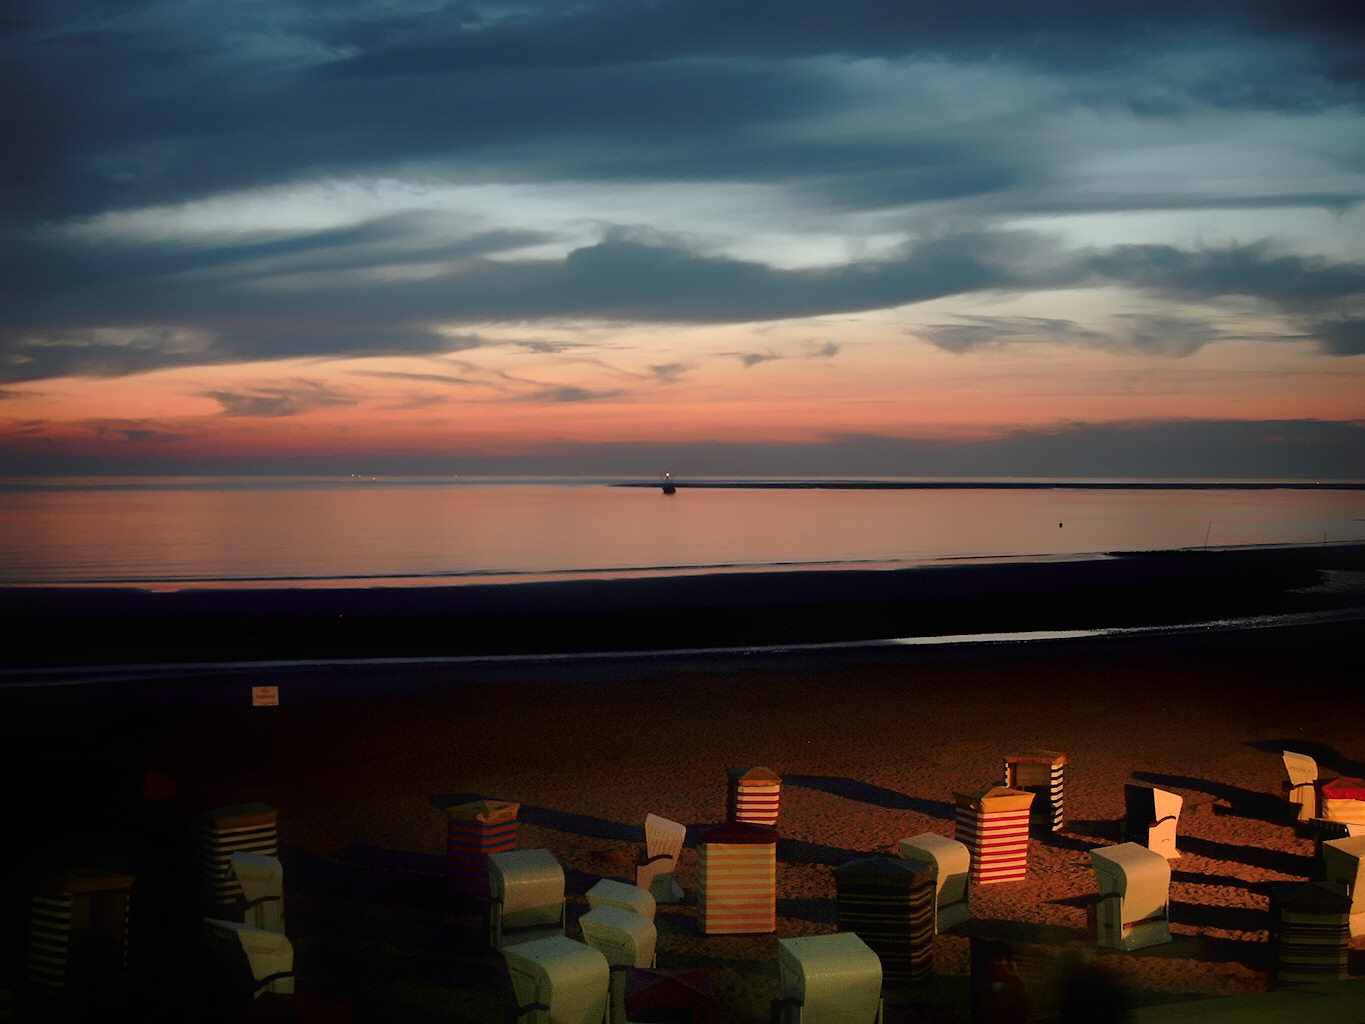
pixel 669 488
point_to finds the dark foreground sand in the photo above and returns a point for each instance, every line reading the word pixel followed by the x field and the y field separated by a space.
pixel 871 744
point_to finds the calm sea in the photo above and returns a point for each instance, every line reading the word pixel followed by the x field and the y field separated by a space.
pixel 170 533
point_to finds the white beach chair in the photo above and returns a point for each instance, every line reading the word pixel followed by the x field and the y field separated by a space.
pixel 261 879
pixel 663 847
pixel 625 938
pixel 556 980
pixel 610 892
pixel 1303 780
pixel 1135 890
pixel 1343 862
pixel 246 962
pixel 952 863
pixel 827 979
pixel 526 890
pixel 1151 816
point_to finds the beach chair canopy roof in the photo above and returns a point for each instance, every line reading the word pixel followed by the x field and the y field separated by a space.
pixel 995 798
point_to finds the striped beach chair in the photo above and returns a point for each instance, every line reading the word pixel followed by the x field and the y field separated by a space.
pixel 78 938
pixel 474 830
pixel 1310 931
pixel 994 826
pixel 223 831
pixel 737 879
pixel 753 795
pixel 1343 862
pixel 1042 773
pixel 889 903
pixel 1343 800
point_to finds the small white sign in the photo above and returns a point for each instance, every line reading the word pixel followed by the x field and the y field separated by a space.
pixel 265 696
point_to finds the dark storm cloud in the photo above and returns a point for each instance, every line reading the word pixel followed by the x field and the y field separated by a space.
pixel 109 107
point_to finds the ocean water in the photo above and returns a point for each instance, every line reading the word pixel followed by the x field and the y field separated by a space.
pixel 173 533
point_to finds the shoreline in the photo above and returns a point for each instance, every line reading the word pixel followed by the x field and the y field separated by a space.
pixel 53 627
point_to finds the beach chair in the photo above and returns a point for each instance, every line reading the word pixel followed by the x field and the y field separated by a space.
pixel 827 979
pixel 475 829
pixel 1309 931
pixel 1150 818
pixel 663 847
pixel 1134 907
pixel 244 963
pixel 1042 773
pixel 1343 800
pixel 78 938
pixel 753 795
pixel 526 893
pixel 1343 863
pixel 952 863
pixel 625 938
pixel 556 980
pixel 643 994
pixel 994 826
pixel 1303 781
pixel 223 831
pixel 261 880
pixel 888 902
pixel 737 879
pixel 609 892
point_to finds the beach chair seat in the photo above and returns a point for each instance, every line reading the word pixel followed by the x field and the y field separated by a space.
pixel 1134 907
pixel 261 880
pixel 663 847
pixel 1302 786
pixel 610 892
pixel 827 979
pixel 1150 818
pixel 1343 863
pixel 624 937
pixel 245 962
pixel 952 863
pixel 526 894
pixel 556 980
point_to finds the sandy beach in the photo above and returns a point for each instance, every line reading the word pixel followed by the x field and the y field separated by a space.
pixel 872 744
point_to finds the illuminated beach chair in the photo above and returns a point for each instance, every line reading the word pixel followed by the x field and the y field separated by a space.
pixel 610 892
pixel 78 938
pixel 474 830
pixel 1135 887
pixel 663 847
pixel 1042 773
pixel 952 864
pixel 526 892
pixel 888 902
pixel 245 962
pixel 261 880
pixel 1343 800
pixel 994 825
pixel 1310 931
pixel 223 831
pixel 625 938
pixel 556 980
pixel 1303 781
pixel 753 795
pixel 1343 862
pixel 827 979
pixel 737 879
pixel 1150 818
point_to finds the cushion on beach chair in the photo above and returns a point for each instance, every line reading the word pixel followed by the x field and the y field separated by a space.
pixel 1135 886
pixel 828 979
pixel 261 879
pixel 663 847
pixel 1303 780
pixel 952 863
pixel 556 980
pixel 1343 862
pixel 526 890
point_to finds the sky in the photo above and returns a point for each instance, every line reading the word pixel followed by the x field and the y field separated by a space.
pixel 864 237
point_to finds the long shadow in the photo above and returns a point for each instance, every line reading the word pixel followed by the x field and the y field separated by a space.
pixel 1256 856
pixel 868 793
pixel 1245 803
pixel 808 909
pixel 1229 881
pixel 1233 919
pixel 798 851
pixel 1328 758
pixel 562 821
pixel 371 873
